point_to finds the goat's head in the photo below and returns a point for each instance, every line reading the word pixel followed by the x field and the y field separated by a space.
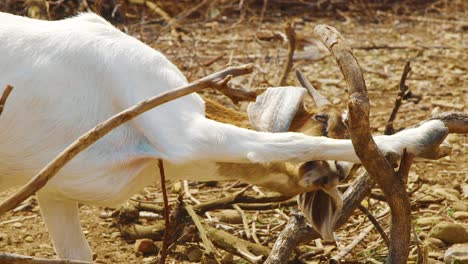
pixel 282 109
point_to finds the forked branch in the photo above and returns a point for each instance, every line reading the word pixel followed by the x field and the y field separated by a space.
pixel 216 80
pixel 371 157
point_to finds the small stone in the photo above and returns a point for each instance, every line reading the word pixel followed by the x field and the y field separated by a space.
pixel 457 253
pixel 177 187
pixel 450 233
pixel 115 235
pixel 145 246
pixel 229 216
pixel 429 221
pixel 436 255
pixel 465 190
pixel 460 206
pixel 29 239
pixel 149 260
pixel 436 242
pixel 194 254
pixel 423 235
pixel 447 193
pixel 460 215
pixel 434 206
pixel 17 225
pixel 227 258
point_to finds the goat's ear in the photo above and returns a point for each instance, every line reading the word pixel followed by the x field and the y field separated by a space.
pixel 274 110
pixel 322 209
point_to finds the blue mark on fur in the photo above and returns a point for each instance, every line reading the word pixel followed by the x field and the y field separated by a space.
pixel 145 147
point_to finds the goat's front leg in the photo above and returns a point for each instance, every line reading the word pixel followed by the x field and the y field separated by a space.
pixel 63 223
pixel 216 141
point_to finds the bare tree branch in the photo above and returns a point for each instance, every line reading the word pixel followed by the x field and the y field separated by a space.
pixel 371 157
pixel 167 223
pixel 456 122
pixel 389 129
pixel 291 48
pixel 215 80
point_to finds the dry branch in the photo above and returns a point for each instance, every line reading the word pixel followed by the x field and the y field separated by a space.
pixel 297 231
pixel 219 238
pixel 358 191
pixel 215 80
pixel 21 259
pixel 165 244
pixel 456 122
pixel 291 236
pixel 348 248
pixel 291 47
pixel 209 247
pixel 389 129
pixel 6 93
pixel 371 157
pixel 237 95
pixel 375 223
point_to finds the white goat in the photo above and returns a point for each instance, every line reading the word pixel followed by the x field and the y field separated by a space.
pixel 72 74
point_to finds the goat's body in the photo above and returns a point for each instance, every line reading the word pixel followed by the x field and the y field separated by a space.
pixel 72 74
pixel 69 76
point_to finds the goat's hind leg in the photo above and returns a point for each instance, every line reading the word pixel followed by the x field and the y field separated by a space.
pixel 63 223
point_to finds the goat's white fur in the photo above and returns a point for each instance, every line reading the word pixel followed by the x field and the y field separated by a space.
pixel 72 74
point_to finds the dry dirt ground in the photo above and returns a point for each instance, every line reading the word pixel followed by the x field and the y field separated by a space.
pixel 436 45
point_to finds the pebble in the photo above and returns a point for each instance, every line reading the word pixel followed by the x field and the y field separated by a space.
pixel 449 194
pixel 145 246
pixel 429 221
pixel 460 215
pixel 450 233
pixel 149 260
pixel 29 239
pixel 436 242
pixel 194 254
pixel 177 187
pixel 17 225
pixel 460 206
pixel 115 235
pixel 457 253
pixel 229 216
pixel 423 235
pixel 465 190
pixel 436 255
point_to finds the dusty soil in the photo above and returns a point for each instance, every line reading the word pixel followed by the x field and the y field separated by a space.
pixel 436 45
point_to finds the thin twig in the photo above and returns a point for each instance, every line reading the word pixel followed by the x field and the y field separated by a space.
pixel 19 219
pixel 349 247
pixel 163 252
pixel 6 93
pixel 389 129
pixel 245 222
pixel 405 165
pixel 209 247
pixel 291 47
pixel 188 194
pixel 21 259
pixel 254 228
pixel 375 223
pixel 215 80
